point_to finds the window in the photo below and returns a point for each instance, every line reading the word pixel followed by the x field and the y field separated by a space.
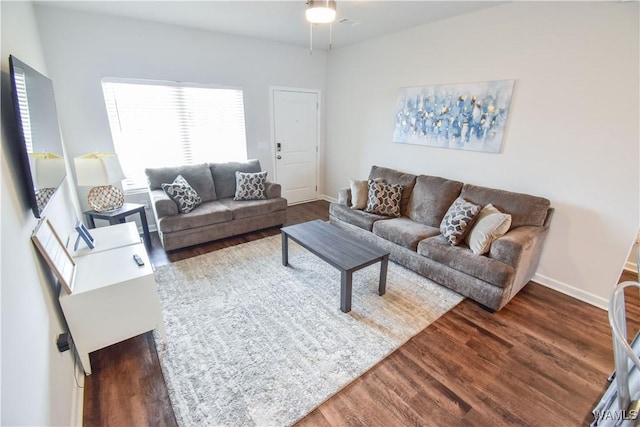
pixel 155 124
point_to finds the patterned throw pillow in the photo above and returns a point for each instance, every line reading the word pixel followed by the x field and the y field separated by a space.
pixel 183 194
pixel 458 220
pixel 384 199
pixel 250 186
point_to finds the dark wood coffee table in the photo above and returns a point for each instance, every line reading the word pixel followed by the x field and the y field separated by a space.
pixel 338 248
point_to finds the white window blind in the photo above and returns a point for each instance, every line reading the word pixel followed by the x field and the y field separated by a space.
pixel 155 124
pixel 23 105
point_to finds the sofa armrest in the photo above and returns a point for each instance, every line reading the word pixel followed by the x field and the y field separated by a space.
pixel 273 190
pixel 511 247
pixel 162 204
pixel 344 196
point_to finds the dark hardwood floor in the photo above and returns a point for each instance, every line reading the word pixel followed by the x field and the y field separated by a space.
pixel 541 360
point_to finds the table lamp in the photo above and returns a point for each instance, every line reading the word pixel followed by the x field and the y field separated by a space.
pixel 48 171
pixel 100 170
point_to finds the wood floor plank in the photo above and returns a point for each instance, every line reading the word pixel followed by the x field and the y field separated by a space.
pixel 542 360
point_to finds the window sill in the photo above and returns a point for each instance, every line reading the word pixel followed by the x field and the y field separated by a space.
pixel 135 191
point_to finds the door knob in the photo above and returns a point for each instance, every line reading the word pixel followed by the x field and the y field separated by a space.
pixel 279 157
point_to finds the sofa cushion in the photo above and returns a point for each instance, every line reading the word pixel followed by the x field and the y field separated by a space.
pixel 430 199
pixel 224 175
pixel 355 217
pixel 403 231
pixel 462 259
pixel 206 214
pixel 458 220
pixel 184 196
pixel 251 208
pixel 490 225
pixel 250 186
pixel 384 199
pixel 198 176
pixel 523 208
pixel 392 176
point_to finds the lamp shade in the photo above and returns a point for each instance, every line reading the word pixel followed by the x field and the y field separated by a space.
pixel 48 169
pixel 98 169
pixel 320 11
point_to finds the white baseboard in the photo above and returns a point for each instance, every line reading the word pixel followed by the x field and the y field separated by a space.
pixel 574 292
pixel 327 198
pixel 152 228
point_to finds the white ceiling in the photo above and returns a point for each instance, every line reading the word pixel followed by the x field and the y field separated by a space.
pixel 283 21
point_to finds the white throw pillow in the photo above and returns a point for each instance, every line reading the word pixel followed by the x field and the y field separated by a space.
pixel 490 225
pixel 360 193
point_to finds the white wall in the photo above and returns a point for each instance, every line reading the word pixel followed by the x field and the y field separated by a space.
pixel 119 47
pixel 572 133
pixel 38 385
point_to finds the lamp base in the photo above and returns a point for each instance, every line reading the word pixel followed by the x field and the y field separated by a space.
pixel 105 198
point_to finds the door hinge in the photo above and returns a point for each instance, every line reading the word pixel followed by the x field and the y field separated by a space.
pixel 316 148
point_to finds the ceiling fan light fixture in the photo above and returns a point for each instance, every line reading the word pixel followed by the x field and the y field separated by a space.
pixel 320 11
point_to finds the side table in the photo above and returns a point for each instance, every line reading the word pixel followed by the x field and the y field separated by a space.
pixel 118 216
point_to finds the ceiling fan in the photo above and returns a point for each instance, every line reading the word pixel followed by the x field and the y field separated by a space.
pixel 320 12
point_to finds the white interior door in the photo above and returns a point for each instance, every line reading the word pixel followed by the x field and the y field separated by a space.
pixel 295 117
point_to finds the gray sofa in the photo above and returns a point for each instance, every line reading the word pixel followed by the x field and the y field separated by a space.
pixel 414 238
pixel 219 215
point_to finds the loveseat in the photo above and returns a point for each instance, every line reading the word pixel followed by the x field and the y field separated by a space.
pixel 415 240
pixel 218 215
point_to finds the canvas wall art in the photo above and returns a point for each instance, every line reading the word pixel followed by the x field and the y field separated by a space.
pixel 465 116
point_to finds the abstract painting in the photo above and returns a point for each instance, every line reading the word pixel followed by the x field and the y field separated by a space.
pixel 465 116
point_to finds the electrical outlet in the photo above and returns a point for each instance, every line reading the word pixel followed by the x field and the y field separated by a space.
pixel 63 342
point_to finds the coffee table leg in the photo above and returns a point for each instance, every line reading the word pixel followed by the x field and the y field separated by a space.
pixel 382 288
pixel 345 291
pixel 285 249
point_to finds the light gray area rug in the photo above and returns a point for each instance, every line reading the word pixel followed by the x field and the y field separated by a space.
pixel 252 342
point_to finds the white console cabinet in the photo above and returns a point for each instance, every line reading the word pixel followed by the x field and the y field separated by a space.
pixel 113 298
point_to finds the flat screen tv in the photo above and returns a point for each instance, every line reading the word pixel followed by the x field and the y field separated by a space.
pixel 40 143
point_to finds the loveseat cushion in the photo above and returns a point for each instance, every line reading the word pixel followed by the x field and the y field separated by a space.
pixel 403 231
pixel 224 175
pixel 392 176
pixel 251 208
pixel 430 199
pixel 523 208
pixel 355 217
pixel 462 259
pixel 207 213
pixel 198 176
